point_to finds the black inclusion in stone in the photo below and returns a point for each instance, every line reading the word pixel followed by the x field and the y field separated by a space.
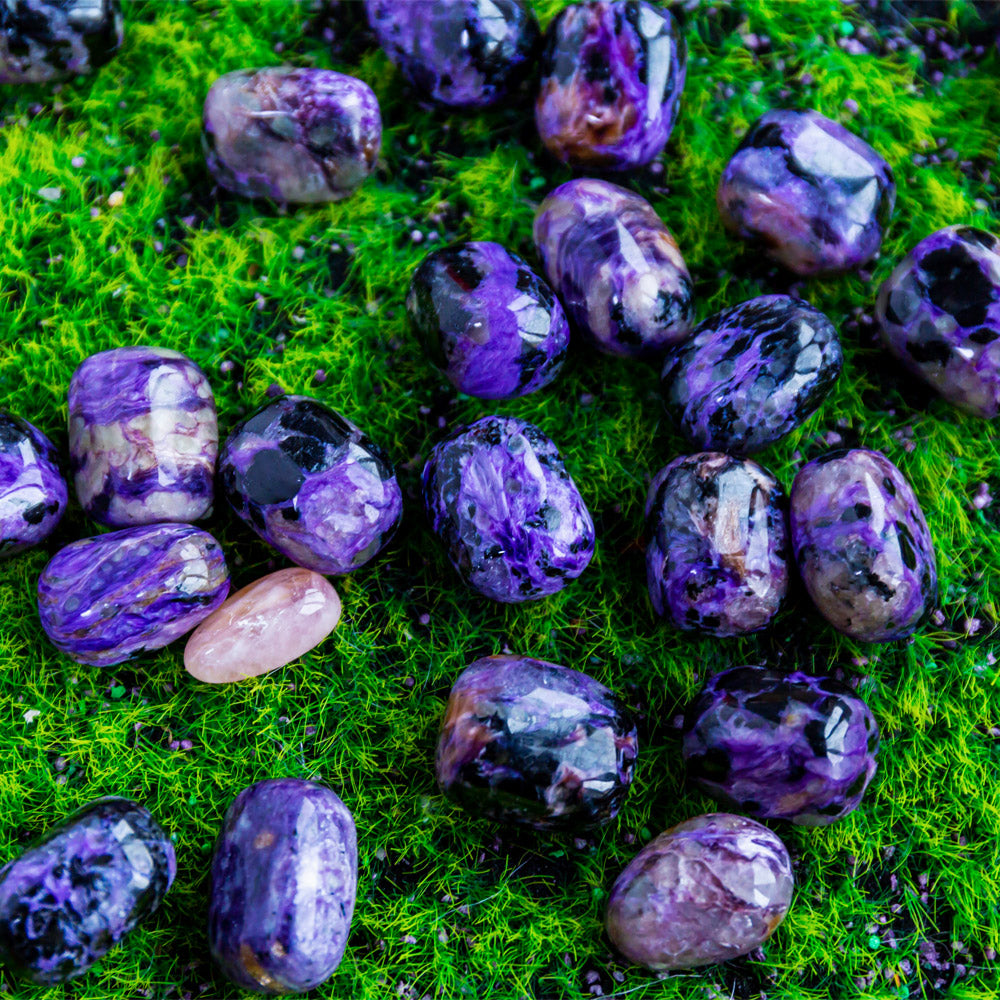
pixel 957 285
pixel 814 731
pixel 272 478
pixel 712 765
pixel 13 430
pixel 459 265
pixel 35 514
pixel 764 137
pixel 306 452
pixel 924 352
pixel 312 419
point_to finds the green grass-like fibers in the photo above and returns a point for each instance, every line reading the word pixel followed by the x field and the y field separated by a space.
pixel 450 905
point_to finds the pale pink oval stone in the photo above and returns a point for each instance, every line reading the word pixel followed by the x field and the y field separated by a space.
pixel 267 624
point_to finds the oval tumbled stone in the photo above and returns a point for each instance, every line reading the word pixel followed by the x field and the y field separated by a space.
pixel 284 882
pixel 106 599
pixel 862 545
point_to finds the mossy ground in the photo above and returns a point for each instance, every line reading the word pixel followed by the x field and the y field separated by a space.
pixel 900 899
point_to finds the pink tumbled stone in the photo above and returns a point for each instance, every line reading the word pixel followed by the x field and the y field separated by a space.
pixel 267 624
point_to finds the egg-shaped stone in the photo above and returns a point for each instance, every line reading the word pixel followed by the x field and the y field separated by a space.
pixel 512 519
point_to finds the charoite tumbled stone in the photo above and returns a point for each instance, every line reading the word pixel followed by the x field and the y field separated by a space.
pixel 489 322
pixel 79 889
pixel 143 437
pixel 297 135
pixel 612 76
pixel 311 484
pixel 781 746
pixel 717 554
pixel 530 742
pixel 862 545
pixel 514 523
pixel 751 374
pixel 813 195
pixel 284 881
pixel 615 266
pixel 940 316
pixel 106 599
pixel 705 891
pixel 32 490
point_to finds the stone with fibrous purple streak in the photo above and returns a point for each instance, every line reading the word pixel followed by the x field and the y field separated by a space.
pixel 106 599
pixel 284 882
pixel 939 313
pixel 514 523
pixel 814 196
pixel 82 887
pixel 781 746
pixel 143 437
pixel 862 545
pixel 33 492
pixel 611 80
pixel 292 135
pixel 707 890
pixel 460 54
pixel 749 375
pixel 531 742
pixel 489 322
pixel 311 484
pixel 616 268
pixel 717 555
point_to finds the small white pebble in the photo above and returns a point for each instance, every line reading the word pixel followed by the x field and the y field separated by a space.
pixel 50 193
pixel 77 161
pixel 115 198
pixel 31 715
pixel 298 252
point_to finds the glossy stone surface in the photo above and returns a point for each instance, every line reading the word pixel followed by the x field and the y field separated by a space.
pixel 489 322
pixel 781 746
pixel 43 40
pixel 531 742
pixel 284 881
pixel 268 623
pixel 814 196
pixel 458 53
pixel 514 523
pixel 616 268
pixel 939 312
pixel 862 545
pixel 751 374
pixel 106 599
pixel 291 134
pixel 311 484
pixel 143 437
pixel 717 555
pixel 79 889
pixel 32 490
pixel 704 891
pixel 612 76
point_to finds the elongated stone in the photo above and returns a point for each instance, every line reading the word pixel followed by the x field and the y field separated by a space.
pixel 106 599
pixel 143 437
pixel 284 881
pixel 81 888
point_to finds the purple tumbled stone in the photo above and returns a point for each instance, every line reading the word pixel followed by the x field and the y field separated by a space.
pixel 781 746
pixel 78 890
pixel 704 891
pixel 751 374
pixel 813 195
pixel 615 266
pixel 106 599
pixel 290 134
pixel 143 437
pixel 611 79
pixel 458 53
pixel 491 324
pixel 284 882
pixel 32 490
pixel 514 523
pixel 862 545
pixel 717 554
pixel 531 742
pixel 940 316
pixel 311 484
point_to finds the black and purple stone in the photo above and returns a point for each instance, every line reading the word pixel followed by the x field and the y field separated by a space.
pixel 939 313
pixel 512 519
pixel 492 325
pixel 78 890
pixel 781 746
pixel 751 374
pixel 525 741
